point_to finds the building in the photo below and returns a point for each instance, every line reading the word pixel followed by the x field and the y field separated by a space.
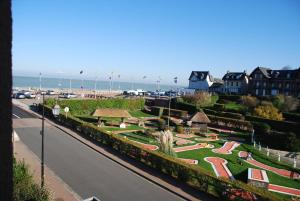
pixel 217 86
pixel 235 82
pixel 200 80
pixel 265 82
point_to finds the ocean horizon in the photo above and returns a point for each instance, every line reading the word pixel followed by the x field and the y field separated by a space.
pixel 63 83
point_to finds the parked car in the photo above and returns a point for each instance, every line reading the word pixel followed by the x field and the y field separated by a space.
pixel 51 92
pixel 20 95
pixel 68 95
pixel 29 94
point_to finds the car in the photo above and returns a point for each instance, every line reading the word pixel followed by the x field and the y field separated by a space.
pixel 51 92
pixel 68 95
pixel 20 95
pixel 29 94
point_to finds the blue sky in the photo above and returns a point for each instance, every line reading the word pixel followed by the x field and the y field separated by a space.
pixel 165 38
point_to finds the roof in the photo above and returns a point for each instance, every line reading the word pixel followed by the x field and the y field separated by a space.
pixel 278 74
pixel 234 76
pixel 107 112
pixel 200 117
pixel 201 75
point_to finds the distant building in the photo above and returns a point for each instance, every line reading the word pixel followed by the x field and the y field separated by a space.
pixel 265 82
pixel 235 82
pixel 217 86
pixel 200 80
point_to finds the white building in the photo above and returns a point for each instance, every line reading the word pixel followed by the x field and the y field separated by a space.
pixel 200 80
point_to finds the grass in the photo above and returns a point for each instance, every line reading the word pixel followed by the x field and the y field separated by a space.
pixel 140 137
pixel 140 114
pixel 234 106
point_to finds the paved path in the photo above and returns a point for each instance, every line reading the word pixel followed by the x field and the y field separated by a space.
pixel 227 148
pixel 284 190
pixel 191 147
pixel 219 166
pixel 281 172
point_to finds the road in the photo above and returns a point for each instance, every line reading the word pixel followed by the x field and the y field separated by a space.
pixel 87 172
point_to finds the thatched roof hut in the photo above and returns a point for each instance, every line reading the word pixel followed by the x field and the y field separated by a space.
pixel 115 113
pixel 200 117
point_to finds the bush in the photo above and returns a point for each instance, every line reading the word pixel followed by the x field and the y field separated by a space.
pixel 162 124
pixel 179 129
pixel 157 111
pixel 24 187
pixel 268 111
pixel 200 99
pixel 250 101
pixel 180 105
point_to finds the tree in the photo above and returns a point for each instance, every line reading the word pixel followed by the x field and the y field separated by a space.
pixel 268 111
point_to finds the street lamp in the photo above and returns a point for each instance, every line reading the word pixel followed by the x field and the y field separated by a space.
pixel 56 110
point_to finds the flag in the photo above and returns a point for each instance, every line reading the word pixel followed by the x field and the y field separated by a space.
pixel 175 80
pixel 81 71
pixel 40 73
pixel 144 77
pixel 119 76
pixel 109 77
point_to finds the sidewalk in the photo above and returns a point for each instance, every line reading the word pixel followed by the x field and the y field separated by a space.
pixel 58 189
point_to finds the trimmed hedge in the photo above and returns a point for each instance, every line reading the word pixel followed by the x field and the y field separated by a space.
pixel 232 115
pixel 233 98
pixel 185 106
pixel 288 116
pixel 283 126
pixel 159 111
pixel 231 123
pixel 192 175
pixel 86 107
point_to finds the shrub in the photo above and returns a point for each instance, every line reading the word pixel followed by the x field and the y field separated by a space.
pixel 199 99
pixel 290 104
pixel 162 124
pixel 232 115
pixel 295 117
pixel 24 187
pixel 250 101
pixel 180 105
pixel 179 129
pixel 234 98
pixel 231 123
pixel 157 111
pixel 269 112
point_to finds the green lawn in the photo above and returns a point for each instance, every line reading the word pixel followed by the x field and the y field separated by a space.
pixel 234 106
pixel 140 137
pixel 140 114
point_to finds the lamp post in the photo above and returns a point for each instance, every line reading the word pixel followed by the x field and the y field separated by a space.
pixel 169 110
pixel 42 133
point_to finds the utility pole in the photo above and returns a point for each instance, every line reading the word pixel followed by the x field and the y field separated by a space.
pixel 169 111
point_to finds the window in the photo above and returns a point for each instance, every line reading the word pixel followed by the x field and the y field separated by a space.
pixel 273 85
pixel 257 84
pixel 279 85
pixel 287 85
pixel 237 84
pixel 265 84
pixel 288 75
pixel 231 83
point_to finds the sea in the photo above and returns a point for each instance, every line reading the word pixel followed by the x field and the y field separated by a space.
pixel 63 83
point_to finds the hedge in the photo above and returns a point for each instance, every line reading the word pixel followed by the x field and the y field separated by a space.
pixel 159 111
pixel 232 115
pixel 192 175
pixel 86 107
pixel 233 98
pixel 185 106
pixel 283 126
pixel 288 116
pixel 231 123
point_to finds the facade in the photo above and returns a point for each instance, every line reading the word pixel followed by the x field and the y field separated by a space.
pixel 266 82
pixel 235 82
pixel 217 86
pixel 200 80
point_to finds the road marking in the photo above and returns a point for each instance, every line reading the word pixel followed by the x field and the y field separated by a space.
pixel 17 116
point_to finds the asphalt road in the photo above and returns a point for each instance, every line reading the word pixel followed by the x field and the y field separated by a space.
pixel 19 113
pixel 87 172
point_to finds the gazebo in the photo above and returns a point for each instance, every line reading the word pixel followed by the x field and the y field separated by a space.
pixel 112 113
pixel 200 120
